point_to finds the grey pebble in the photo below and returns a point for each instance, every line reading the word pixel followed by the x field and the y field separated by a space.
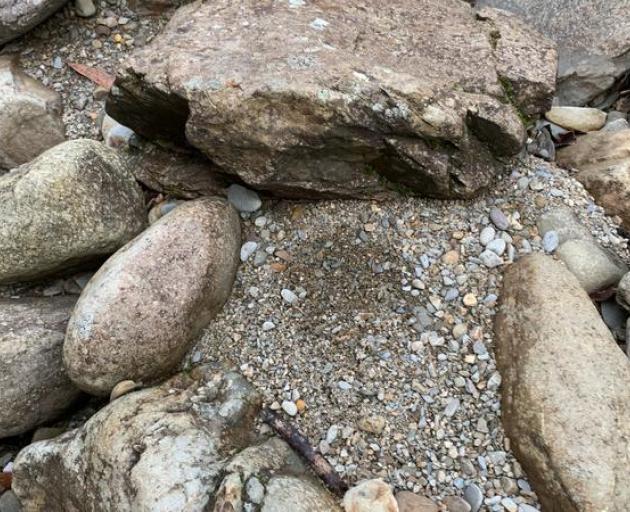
pixel 288 296
pixel 497 246
pixel 551 241
pixel 474 497
pixel 243 199
pixel 499 219
pixel 487 235
pixel 490 259
pixel 247 249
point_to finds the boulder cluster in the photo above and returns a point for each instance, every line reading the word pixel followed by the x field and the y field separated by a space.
pixel 303 99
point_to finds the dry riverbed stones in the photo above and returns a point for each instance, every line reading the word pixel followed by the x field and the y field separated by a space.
pixel 140 312
pixel 74 204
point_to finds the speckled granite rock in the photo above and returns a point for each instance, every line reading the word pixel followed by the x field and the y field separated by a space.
pixel 34 387
pixel 566 389
pixel 344 100
pixel 75 203
pixel 140 312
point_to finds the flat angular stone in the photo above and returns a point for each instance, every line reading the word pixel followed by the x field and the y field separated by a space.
pixel 341 100
pixel 19 16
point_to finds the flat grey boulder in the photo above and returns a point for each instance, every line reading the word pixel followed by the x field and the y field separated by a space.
pixel 138 315
pixel 158 449
pixel 341 99
pixel 593 41
pixel 75 203
pixel 34 387
pixel 30 116
pixel 566 389
pixel 19 16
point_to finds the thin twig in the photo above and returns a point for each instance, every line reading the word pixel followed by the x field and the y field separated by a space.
pixel 300 444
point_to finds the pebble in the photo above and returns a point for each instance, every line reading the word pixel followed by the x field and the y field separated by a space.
pixel 470 300
pixel 509 504
pixel 9 502
pixel 255 490
pixel 490 259
pixel 474 497
pixel 372 424
pixel 499 219
pixel 122 388
pixel 84 8
pixel 288 296
pixel 247 249
pixel 243 199
pixel 289 407
pixel 551 241
pixel 524 507
pixel 487 235
pixel 268 326
pixel 496 246
pixel 456 504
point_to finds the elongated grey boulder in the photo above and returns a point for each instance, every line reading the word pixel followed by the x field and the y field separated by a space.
pixel 30 116
pixel 75 203
pixel 566 389
pixel 342 99
pixel 34 387
pixel 140 312
pixel 158 449
pixel 19 16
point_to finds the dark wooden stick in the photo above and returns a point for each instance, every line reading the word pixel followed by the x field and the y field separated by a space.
pixel 301 445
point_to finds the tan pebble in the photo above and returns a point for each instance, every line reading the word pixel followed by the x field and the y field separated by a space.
pixel 370 227
pixel 301 405
pixel 283 255
pixel 372 424
pixel 470 300
pixel 410 502
pixel 278 267
pixel 470 358
pixel 540 201
pixel 122 388
pixel 451 258
pixel 459 330
pixel 458 235
pixel 370 496
pixel 117 38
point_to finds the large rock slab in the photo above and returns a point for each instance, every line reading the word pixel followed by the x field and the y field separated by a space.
pixel 75 203
pixel 140 312
pixel 159 449
pixel 19 16
pixel 30 116
pixel 34 387
pixel 341 100
pixel 593 41
pixel 566 389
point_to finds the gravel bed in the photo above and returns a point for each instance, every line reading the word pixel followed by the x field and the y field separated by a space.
pixel 384 348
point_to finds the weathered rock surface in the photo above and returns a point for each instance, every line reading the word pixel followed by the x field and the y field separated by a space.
pixel 594 267
pixel 593 42
pixel 19 16
pixel 30 115
pixel 75 203
pixel 410 502
pixel 34 387
pixel 159 449
pixel 272 476
pixel 580 119
pixel 596 151
pixel 611 189
pixel 566 389
pixel 344 96
pixel 137 316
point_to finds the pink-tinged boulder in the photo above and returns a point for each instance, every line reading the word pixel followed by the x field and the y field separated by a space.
pixel 141 311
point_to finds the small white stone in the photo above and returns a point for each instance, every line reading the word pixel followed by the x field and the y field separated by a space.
pixel 289 407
